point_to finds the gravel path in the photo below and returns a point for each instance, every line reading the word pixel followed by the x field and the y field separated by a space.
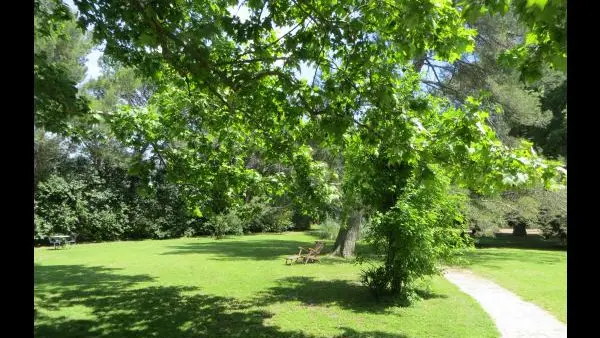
pixel 514 317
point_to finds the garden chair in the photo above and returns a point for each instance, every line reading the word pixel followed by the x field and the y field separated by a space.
pixel 310 256
pixel 73 239
pixel 313 253
pixel 54 242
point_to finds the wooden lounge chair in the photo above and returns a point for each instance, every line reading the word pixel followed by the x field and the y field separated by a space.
pixel 311 255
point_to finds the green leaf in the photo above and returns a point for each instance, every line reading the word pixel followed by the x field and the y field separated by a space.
pixel 537 3
pixel 560 62
pixel 98 117
pixel 531 38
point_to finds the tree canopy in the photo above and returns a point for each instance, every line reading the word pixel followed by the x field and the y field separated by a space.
pixel 60 48
pixel 230 118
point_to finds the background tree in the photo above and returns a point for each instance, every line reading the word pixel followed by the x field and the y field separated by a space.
pixel 60 48
pixel 535 110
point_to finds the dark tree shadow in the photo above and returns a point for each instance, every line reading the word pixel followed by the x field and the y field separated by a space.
pixel 251 250
pixel 263 250
pixel 121 306
pixel 348 332
pixel 346 294
pixel 428 294
pixel 122 310
pixel 532 241
pixel 83 276
pixel 486 258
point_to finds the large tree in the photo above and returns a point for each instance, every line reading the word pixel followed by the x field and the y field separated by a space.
pixel 231 87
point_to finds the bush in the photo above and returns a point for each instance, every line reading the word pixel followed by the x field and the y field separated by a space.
pixel 255 216
pixel 301 222
pixel 376 280
pixel 518 223
pixel 76 206
pixel 188 232
pixel 277 219
pixel 554 225
pixel 552 216
pixel 485 215
pixel 99 209
pixel 526 209
pixel 329 228
pixel 422 230
pixel 224 224
pixel 259 216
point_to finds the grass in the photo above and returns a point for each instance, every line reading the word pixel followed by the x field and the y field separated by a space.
pixel 235 287
pixel 533 268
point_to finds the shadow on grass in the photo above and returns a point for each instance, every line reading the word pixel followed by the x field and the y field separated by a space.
pixel 547 251
pixel 345 294
pixel 261 250
pixel 254 250
pixel 348 332
pixel 83 277
pixel 536 242
pixel 485 258
pixel 119 306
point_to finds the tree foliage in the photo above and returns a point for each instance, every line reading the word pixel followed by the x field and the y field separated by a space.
pixel 546 40
pixel 60 48
pixel 423 229
pixel 535 110
pixel 232 120
pixel 89 192
pixel 118 85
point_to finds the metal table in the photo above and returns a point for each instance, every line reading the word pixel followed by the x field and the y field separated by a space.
pixel 59 240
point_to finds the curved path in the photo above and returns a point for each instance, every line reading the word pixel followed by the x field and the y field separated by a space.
pixel 514 317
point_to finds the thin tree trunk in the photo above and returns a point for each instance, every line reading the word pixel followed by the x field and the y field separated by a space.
pixel 419 62
pixel 345 242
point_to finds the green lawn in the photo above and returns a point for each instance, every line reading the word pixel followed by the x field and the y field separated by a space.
pixel 532 268
pixel 236 287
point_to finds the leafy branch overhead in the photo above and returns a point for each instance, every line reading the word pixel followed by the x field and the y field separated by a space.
pixel 230 117
pixel 59 49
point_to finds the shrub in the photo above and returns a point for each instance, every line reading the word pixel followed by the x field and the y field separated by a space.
pixel 276 219
pixel 553 224
pixel 258 215
pixel 224 224
pixel 423 229
pixel 188 232
pixel 100 209
pixel 301 222
pixel 552 216
pixel 76 206
pixel 525 209
pixel 485 215
pixel 376 280
pixel 329 228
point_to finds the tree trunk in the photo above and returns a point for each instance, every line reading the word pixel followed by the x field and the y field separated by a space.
pixel 519 230
pixel 419 62
pixel 345 242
